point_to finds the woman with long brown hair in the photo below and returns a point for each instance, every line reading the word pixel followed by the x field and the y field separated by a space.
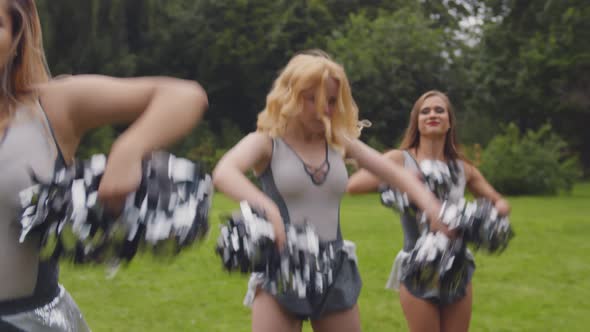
pixel 432 135
pixel 41 124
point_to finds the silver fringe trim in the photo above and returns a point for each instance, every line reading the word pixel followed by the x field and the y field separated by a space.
pixel 60 315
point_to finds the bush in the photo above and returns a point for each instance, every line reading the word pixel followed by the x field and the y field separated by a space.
pixel 536 163
pixel 472 153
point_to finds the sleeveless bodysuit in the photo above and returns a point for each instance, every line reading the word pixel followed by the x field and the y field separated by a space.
pixel 30 297
pixel 305 195
pixel 412 233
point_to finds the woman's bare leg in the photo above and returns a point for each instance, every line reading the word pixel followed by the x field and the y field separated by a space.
pixel 341 321
pixel 456 316
pixel 421 315
pixel 268 316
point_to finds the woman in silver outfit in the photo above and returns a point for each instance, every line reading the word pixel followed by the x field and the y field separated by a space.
pixel 41 124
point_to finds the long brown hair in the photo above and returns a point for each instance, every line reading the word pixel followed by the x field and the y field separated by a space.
pixel 412 135
pixel 26 66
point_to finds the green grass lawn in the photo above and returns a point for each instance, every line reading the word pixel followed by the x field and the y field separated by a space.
pixel 540 283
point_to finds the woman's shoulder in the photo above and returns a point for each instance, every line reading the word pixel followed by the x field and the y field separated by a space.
pixel 260 140
pixel 260 144
pixel 469 169
pixel 260 137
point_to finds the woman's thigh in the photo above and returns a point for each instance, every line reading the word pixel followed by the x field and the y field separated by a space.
pixel 421 315
pixel 342 321
pixel 269 316
pixel 456 316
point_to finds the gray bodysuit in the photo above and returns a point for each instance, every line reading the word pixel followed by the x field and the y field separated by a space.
pixel 303 195
pixel 30 297
pixel 26 146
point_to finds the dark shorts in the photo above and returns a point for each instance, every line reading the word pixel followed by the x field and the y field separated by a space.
pixel 341 295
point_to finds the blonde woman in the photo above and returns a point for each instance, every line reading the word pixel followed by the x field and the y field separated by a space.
pixel 431 134
pixel 308 127
pixel 41 124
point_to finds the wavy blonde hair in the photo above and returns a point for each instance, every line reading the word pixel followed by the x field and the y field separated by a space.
pixel 26 66
pixel 311 70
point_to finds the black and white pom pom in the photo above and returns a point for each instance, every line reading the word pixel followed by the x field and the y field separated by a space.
pixel 168 212
pixel 437 262
pixel 489 231
pixel 395 199
pixel 480 223
pixel 438 177
pixel 303 267
pixel 434 263
pixel 246 242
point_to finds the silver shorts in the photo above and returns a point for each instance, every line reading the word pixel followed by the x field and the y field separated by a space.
pixel 59 315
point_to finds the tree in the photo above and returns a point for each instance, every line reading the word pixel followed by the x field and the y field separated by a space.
pixel 534 65
pixel 390 60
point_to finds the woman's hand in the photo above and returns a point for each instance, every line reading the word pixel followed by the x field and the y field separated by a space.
pixel 121 177
pixel 279 229
pixel 502 206
pixel 436 224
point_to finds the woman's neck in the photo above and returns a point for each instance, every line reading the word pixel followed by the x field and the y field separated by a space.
pixel 430 148
pixel 296 131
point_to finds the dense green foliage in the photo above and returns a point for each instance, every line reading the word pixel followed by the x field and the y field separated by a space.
pixel 526 62
pixel 537 162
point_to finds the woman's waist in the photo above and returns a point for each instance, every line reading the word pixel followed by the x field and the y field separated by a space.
pixel 28 290
pixel 18 264
pixel 326 228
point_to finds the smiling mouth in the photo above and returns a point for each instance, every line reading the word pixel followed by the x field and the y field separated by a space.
pixel 432 123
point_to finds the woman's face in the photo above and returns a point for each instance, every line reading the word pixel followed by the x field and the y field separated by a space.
pixel 433 117
pixel 309 117
pixel 5 34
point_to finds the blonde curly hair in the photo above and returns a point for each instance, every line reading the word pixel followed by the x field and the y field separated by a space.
pixel 305 71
